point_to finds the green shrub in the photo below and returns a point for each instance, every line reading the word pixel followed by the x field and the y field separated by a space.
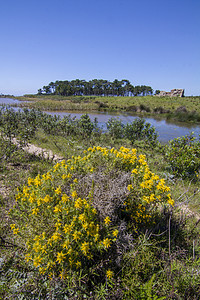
pixel 183 155
pixel 137 130
pixel 115 128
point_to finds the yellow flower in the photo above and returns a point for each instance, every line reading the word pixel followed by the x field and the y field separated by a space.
pixel 65 245
pixel 170 200
pixel 107 220
pixel 30 181
pixel 76 235
pixel 12 226
pixel 57 208
pixel 58 224
pixel 134 171
pixel 37 261
pixel 32 199
pixel 58 191
pixel 152 198
pixel 35 211
pixel 85 248
pixel 115 233
pixel 96 237
pixel 82 217
pixel 47 198
pixel 85 225
pixel 106 242
pixel 78 203
pixel 67 228
pixel 129 187
pixel 37 181
pixel 60 257
pixel 37 246
pixel 94 211
pixel 28 257
pixel 109 274
pixel 42 270
pixel 56 236
pixel 63 275
pixel 74 194
pixel 63 162
pixel 15 230
pixel 65 198
pixel 78 264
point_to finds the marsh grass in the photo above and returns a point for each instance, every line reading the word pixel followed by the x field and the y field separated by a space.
pixel 54 105
pixel 143 106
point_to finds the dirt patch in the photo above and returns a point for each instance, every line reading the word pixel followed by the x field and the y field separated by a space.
pixel 32 149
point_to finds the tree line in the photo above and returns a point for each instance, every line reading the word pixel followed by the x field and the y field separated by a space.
pixel 95 87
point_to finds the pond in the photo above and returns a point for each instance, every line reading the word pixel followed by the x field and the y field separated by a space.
pixel 8 101
pixel 166 129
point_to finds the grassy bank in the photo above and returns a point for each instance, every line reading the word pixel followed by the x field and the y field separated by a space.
pixel 182 109
pixel 153 257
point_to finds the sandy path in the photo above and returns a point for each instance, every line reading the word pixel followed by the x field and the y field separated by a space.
pixel 32 149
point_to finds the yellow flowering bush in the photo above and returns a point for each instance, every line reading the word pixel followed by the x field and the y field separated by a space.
pixel 58 214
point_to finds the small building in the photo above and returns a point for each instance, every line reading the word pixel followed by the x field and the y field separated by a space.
pixel 173 93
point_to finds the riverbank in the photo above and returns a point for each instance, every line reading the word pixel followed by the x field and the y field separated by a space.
pixel 186 109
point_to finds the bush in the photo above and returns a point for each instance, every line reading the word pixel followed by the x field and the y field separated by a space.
pixel 140 130
pixel 16 124
pixel 137 130
pixel 86 125
pixel 81 216
pixel 183 155
pixel 115 128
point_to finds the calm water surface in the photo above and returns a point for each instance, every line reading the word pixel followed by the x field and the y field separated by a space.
pixel 8 101
pixel 166 130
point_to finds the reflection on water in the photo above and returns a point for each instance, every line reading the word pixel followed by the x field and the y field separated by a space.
pixel 166 129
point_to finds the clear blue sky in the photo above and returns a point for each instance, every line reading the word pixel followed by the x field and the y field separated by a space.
pixel 150 42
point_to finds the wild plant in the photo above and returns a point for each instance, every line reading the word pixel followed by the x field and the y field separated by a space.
pixel 183 155
pixel 81 215
pixel 137 130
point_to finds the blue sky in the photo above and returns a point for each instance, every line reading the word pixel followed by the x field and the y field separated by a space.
pixel 150 42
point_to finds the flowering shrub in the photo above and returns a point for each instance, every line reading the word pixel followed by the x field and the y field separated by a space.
pixel 70 218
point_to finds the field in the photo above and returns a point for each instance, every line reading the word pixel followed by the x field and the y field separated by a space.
pixel 119 219
pixel 182 109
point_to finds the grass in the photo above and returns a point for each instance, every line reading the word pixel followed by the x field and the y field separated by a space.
pixel 179 108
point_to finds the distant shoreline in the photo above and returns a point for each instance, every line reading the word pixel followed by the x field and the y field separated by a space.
pixel 183 109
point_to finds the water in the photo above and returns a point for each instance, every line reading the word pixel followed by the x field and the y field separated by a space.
pixel 166 130
pixel 8 101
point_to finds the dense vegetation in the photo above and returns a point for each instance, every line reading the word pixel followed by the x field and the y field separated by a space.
pixel 113 221
pixel 95 87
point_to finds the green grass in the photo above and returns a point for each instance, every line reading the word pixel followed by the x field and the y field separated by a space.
pixel 146 106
